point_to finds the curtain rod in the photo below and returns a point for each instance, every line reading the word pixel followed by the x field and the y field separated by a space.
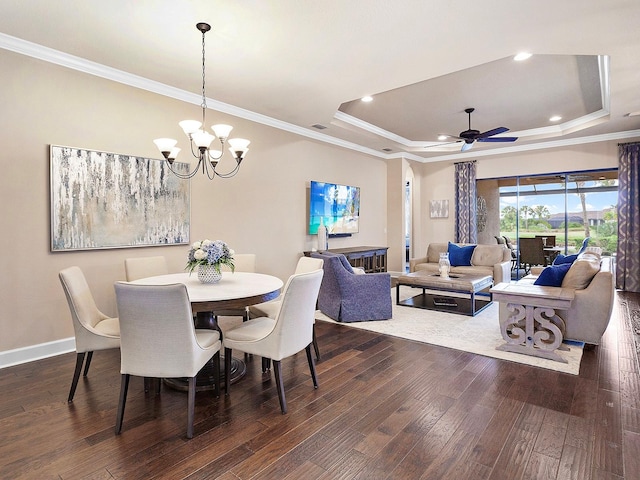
pixel 628 143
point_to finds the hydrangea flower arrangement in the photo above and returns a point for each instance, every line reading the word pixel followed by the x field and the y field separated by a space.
pixel 209 252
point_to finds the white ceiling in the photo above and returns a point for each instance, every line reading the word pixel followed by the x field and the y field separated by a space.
pixel 295 63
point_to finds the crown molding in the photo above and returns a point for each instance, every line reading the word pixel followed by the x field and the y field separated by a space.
pixel 34 50
pixel 57 57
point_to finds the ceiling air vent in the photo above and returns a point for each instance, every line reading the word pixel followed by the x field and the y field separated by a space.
pixel 318 126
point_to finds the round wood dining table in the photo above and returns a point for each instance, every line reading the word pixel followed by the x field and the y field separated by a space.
pixel 235 291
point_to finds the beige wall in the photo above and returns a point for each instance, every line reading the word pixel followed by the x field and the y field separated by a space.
pixel 263 209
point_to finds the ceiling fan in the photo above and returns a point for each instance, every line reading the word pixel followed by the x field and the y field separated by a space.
pixel 471 136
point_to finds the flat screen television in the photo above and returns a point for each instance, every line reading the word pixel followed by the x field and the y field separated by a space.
pixel 337 205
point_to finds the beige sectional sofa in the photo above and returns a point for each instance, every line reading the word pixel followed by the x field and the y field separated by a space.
pixel 590 311
pixel 493 260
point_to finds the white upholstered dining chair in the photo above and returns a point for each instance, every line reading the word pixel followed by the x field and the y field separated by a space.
pixel 142 267
pixel 283 336
pixel 270 309
pixel 93 329
pixel 159 340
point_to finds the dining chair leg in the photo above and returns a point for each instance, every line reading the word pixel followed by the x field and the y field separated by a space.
pixel 216 373
pixel 312 367
pixel 124 387
pixel 76 376
pixel 191 406
pixel 227 370
pixel 280 385
pixel 87 363
pixel 315 344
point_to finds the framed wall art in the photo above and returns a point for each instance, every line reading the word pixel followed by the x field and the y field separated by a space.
pixel 107 200
pixel 439 208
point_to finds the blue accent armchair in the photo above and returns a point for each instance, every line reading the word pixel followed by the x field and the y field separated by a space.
pixel 349 297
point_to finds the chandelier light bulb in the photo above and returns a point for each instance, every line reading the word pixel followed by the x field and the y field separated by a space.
pixel 165 145
pixel 190 126
pixel 202 139
pixel 215 154
pixel 239 143
pixel 222 131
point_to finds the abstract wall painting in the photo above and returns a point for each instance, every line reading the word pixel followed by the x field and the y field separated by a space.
pixel 105 200
pixel 439 209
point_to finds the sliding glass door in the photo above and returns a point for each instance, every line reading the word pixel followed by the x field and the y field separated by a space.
pixel 562 209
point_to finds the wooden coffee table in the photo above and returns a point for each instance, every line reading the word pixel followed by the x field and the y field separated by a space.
pixel 444 294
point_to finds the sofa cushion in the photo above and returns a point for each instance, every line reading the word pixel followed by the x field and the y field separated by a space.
pixel 471 270
pixel 434 250
pixel 593 251
pixel 581 272
pixel 553 276
pixel 487 255
pixel 460 256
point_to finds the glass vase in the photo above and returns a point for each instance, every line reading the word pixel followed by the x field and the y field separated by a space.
pixel 209 274
pixel 444 266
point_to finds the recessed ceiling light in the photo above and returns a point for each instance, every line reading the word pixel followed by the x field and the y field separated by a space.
pixel 367 98
pixel 555 118
pixel 442 137
pixel 522 56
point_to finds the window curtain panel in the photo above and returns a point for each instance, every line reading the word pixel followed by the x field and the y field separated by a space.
pixel 465 185
pixel 628 263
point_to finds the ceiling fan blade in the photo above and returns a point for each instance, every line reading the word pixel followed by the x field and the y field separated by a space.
pixel 498 139
pixel 495 131
pixel 466 146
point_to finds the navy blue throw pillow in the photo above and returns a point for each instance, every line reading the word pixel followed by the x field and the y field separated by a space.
pixel 561 259
pixel 460 256
pixel 552 276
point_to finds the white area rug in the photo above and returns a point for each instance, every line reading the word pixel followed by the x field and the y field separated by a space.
pixel 479 334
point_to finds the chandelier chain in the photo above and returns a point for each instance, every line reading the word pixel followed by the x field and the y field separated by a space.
pixel 204 96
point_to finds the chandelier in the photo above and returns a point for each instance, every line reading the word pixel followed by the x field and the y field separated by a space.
pixel 201 140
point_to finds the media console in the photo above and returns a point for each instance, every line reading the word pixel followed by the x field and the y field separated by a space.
pixel 371 259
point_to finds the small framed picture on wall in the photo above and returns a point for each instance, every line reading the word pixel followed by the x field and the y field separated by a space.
pixel 439 208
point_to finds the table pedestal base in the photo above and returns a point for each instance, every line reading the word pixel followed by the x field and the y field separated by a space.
pixel 533 330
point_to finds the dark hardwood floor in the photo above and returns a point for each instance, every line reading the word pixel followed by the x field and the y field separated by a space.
pixel 386 409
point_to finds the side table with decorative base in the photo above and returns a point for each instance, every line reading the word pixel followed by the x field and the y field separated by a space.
pixel 533 327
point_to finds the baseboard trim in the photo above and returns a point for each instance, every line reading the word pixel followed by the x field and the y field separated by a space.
pixel 32 353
